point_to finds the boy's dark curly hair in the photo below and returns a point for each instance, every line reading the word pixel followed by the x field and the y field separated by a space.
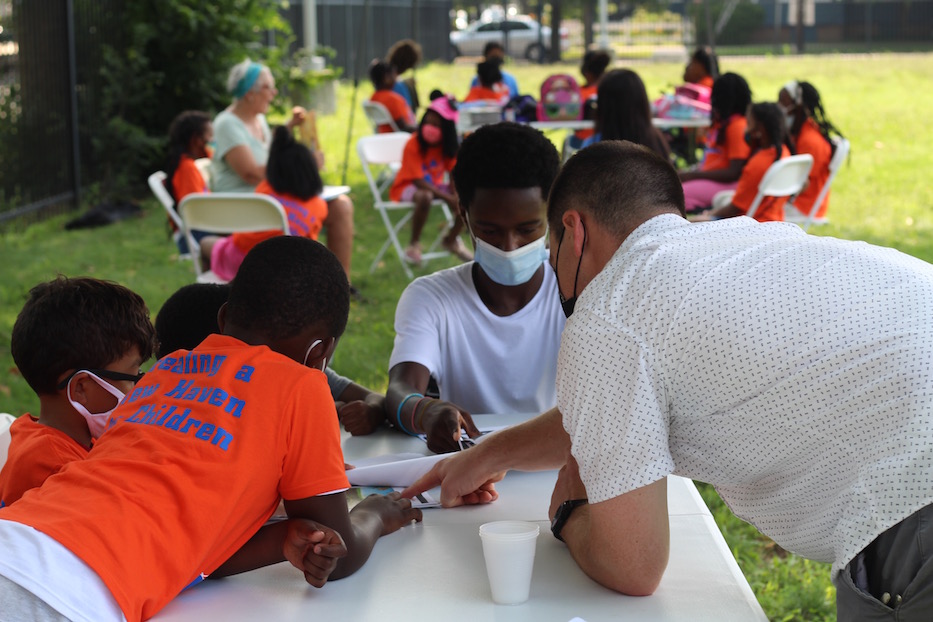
pixel 77 323
pixel 505 155
pixel 287 284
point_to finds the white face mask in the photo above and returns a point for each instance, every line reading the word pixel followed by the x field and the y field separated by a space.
pixel 510 267
pixel 96 422
pixel 308 353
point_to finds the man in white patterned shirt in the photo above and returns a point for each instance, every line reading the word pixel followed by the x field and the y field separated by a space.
pixel 794 373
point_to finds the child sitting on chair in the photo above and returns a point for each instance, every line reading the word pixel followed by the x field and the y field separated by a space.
pixel 197 457
pixel 383 77
pixel 292 178
pixel 490 87
pixel 429 155
pixel 766 138
pixel 811 132
pixel 79 343
pixel 188 139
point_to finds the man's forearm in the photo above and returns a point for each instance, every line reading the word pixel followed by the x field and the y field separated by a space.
pixel 536 445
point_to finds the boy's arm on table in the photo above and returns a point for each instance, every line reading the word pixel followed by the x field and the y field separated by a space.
pixel 374 516
pixel 468 477
pixel 308 545
pixel 319 551
pixel 440 421
pixel 360 410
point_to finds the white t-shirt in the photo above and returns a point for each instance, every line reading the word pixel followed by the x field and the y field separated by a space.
pixel 792 372
pixel 482 362
pixel 230 132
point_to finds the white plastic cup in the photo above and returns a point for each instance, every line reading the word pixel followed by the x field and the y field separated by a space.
pixel 509 549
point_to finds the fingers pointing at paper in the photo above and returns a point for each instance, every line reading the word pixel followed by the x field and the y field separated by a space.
pixel 462 479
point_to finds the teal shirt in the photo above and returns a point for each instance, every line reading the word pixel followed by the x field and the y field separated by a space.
pixel 230 132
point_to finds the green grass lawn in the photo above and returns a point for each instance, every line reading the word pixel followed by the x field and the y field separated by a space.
pixel 882 196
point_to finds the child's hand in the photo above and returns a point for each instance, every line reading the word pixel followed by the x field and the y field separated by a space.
pixel 394 510
pixel 442 422
pixel 360 418
pixel 313 548
pixel 298 116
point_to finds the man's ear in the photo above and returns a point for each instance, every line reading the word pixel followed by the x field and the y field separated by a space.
pixel 573 225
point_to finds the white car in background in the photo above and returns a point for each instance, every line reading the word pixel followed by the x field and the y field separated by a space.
pixel 521 32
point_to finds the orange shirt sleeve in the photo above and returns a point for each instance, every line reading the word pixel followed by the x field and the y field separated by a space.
pixel 770 208
pixel 735 146
pixel 810 141
pixel 36 453
pixel 187 179
pixel 755 168
pixel 397 106
pixel 411 169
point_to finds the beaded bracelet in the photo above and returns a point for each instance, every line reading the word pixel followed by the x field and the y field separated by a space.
pixel 398 415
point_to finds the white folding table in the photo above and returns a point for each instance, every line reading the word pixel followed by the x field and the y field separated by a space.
pixel 435 570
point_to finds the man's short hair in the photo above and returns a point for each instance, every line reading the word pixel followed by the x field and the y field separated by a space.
pixel 620 183
pixel 189 315
pixel 505 155
pixel 287 284
pixel 77 323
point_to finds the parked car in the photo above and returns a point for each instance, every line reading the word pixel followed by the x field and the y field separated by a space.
pixel 521 32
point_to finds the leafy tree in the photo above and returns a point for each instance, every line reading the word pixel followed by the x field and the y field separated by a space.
pixel 174 55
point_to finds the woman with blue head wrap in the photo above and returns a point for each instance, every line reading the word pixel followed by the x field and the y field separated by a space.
pixel 242 138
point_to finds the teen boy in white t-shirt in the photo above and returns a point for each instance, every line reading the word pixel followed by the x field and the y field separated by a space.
pixel 487 331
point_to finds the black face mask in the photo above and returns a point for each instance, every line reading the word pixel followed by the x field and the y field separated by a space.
pixel 567 304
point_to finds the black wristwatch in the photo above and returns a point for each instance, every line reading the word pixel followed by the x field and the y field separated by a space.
pixel 564 510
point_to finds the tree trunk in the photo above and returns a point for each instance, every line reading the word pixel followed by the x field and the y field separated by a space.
pixel 589 16
pixel 555 31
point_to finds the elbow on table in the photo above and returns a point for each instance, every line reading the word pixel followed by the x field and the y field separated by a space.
pixel 637 581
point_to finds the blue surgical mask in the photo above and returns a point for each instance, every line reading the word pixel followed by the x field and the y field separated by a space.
pixel 510 267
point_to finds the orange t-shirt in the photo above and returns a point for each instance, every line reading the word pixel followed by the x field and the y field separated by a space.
pixel 194 462
pixel 706 81
pixel 811 141
pixel 187 179
pixel 36 452
pixel 305 218
pixel 429 166
pixel 398 108
pixel 734 147
pixel 586 92
pixel 481 93
pixel 770 208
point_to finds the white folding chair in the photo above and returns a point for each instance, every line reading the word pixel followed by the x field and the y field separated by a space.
pixel 382 151
pixel 157 185
pixel 6 420
pixel 784 178
pixel 224 213
pixel 379 115
pixel 792 214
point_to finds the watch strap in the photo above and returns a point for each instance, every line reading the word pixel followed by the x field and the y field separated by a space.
pixel 564 510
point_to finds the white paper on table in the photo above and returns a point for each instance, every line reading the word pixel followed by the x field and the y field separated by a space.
pixel 392 469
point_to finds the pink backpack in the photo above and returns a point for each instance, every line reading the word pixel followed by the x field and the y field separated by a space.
pixel 689 101
pixel 560 99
